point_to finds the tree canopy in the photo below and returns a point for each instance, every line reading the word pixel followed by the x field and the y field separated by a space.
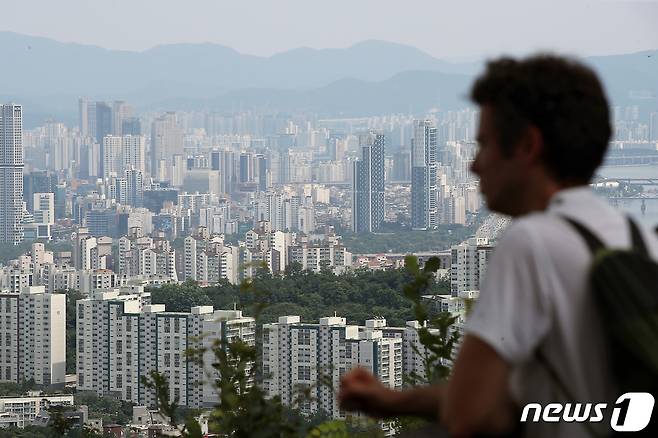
pixel 356 295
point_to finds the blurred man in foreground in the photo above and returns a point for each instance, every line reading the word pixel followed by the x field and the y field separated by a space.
pixel 544 129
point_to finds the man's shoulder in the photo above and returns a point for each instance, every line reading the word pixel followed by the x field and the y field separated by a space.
pixel 538 237
pixel 524 231
pixel 549 232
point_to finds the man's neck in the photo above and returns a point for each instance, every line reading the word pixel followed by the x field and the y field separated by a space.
pixel 538 195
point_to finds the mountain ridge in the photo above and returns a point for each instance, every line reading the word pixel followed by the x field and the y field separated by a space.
pixel 52 74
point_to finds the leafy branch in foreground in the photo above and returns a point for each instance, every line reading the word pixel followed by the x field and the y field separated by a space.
pixel 158 383
pixel 436 334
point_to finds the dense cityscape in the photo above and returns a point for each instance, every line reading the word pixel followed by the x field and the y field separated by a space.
pixel 115 214
pixel 117 233
pixel 190 244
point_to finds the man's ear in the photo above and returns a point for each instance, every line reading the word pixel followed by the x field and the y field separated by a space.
pixel 530 145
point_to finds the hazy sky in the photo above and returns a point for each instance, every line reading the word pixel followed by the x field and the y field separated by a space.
pixel 448 29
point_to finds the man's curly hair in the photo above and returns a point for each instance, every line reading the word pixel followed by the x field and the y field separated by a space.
pixel 562 97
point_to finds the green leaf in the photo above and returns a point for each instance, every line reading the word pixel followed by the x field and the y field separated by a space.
pixel 193 428
pixel 432 265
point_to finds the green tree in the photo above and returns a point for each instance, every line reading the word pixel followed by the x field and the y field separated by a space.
pixel 10 252
pixel 110 409
pixel 355 295
pixel 11 389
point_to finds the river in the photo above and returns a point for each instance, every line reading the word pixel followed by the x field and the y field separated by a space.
pixel 634 206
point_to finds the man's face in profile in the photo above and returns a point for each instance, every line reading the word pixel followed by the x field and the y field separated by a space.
pixel 501 175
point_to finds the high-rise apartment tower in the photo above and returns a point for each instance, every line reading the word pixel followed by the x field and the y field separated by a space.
pixel 368 184
pixel 424 177
pixel 11 173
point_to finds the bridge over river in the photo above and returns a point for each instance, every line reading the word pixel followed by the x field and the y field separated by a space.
pixel 628 181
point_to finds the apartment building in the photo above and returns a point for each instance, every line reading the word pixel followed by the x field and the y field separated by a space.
pixel 424 176
pixel 33 336
pixel 299 356
pixel 123 337
pixel 146 256
pixel 368 184
pixel 207 259
pixel 315 256
pixel 11 173
pixel 468 264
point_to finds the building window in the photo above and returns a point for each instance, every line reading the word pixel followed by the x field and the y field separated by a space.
pixel 303 355
pixel 304 337
pixel 304 372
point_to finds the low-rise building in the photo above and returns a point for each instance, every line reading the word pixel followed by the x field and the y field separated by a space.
pixel 22 411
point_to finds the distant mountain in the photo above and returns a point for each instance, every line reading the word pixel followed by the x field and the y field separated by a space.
pixel 408 92
pixel 370 77
pixel 631 77
pixel 44 66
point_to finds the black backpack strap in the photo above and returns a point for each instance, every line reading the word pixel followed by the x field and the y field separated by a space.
pixel 636 238
pixel 593 243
